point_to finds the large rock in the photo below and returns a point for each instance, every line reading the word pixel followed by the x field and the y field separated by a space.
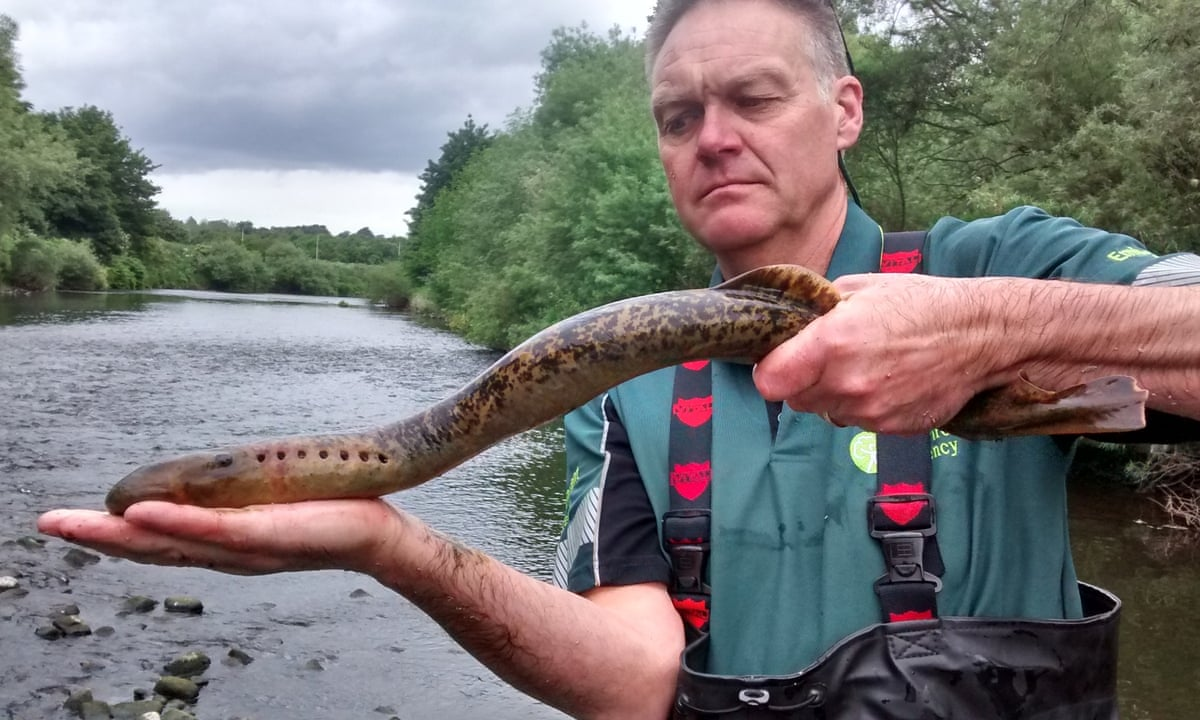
pixel 188 665
pixel 170 686
pixel 183 604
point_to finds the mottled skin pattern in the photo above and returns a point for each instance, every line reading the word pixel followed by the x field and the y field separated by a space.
pixel 553 372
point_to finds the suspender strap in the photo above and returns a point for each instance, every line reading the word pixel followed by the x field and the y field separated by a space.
pixel 687 525
pixel 901 515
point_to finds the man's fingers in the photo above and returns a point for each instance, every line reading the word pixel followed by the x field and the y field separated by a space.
pixel 793 367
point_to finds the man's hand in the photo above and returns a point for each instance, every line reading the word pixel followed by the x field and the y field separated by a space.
pixel 899 354
pixel 344 534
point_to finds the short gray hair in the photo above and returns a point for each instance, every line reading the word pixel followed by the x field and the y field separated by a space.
pixel 826 49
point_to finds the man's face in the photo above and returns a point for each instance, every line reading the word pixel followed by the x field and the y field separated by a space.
pixel 748 141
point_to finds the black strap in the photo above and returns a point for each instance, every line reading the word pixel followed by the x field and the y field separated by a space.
pixel 687 525
pixel 902 515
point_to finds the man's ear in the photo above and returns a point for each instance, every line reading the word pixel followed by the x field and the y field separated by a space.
pixel 847 94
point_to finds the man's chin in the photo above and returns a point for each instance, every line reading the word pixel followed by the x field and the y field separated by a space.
pixel 732 233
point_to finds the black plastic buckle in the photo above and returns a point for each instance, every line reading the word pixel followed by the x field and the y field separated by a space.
pixel 686 536
pixel 903 554
pixel 904 550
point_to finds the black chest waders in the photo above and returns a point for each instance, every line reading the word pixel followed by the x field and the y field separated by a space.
pixel 914 665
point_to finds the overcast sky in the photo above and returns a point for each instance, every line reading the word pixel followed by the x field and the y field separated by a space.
pixel 289 112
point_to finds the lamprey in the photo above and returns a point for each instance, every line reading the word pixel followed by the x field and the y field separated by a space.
pixel 563 367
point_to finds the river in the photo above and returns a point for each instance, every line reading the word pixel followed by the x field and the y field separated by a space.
pixel 92 385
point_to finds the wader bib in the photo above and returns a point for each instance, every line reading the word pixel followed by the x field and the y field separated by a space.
pixel 914 665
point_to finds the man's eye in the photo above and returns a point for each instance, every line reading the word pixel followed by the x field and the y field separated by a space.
pixel 676 124
pixel 751 102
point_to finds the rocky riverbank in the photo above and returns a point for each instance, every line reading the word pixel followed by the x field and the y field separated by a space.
pixel 117 658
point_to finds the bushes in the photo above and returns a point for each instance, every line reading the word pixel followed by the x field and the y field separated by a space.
pixel 36 264
pixel 78 267
pixel 388 284
pixel 126 273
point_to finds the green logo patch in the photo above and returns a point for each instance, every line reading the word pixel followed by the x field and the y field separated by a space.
pixel 862 451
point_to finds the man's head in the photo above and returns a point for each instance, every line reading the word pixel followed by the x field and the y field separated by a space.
pixel 753 104
pixel 826 50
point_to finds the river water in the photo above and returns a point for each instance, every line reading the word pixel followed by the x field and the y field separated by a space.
pixel 92 385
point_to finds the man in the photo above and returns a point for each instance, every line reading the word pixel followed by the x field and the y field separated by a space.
pixel 753 109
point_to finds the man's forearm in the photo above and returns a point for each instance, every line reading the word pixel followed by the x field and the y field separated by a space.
pixel 1061 333
pixel 552 644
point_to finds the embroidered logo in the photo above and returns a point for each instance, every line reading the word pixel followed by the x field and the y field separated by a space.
pixel 691 479
pixel 900 262
pixel 1126 253
pixel 695 365
pixel 693 412
pixel 862 451
pixel 694 612
pixel 902 513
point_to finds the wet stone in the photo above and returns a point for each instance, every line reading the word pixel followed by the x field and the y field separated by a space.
pixel 75 701
pixel 105 631
pixel 183 604
pixel 91 666
pixel 360 593
pixel 31 543
pixel 48 632
pixel 8 582
pixel 72 625
pixel 188 665
pixel 135 709
pixel 170 686
pixel 314 665
pixel 79 558
pixel 137 604
pixel 238 657
pixel 177 714
pixel 94 710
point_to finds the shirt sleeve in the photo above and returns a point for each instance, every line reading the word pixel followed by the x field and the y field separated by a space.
pixel 610 533
pixel 1027 242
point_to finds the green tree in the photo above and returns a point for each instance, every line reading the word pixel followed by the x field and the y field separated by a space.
pixel 115 207
pixel 35 161
pixel 439 174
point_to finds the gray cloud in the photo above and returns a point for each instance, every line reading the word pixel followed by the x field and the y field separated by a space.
pixel 276 84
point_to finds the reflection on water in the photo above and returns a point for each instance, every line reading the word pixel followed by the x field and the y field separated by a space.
pixel 93 385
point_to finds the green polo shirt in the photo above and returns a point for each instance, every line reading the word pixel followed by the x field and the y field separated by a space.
pixel 792 565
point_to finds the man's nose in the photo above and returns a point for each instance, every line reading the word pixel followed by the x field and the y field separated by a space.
pixel 719 133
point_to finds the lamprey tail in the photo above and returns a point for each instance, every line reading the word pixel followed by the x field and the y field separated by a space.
pixel 1109 404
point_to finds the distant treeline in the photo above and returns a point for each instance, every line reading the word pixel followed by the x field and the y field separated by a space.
pixel 78 212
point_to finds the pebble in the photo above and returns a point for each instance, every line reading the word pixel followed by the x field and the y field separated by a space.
pixel 77 558
pixel 183 604
pixel 239 657
pixel 9 582
pixel 170 686
pixel 137 604
pixel 31 543
pixel 71 625
pixel 188 665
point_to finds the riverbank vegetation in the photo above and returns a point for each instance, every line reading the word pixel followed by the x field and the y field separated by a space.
pixel 1083 107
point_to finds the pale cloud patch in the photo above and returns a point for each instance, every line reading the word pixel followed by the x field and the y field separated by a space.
pixel 341 200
